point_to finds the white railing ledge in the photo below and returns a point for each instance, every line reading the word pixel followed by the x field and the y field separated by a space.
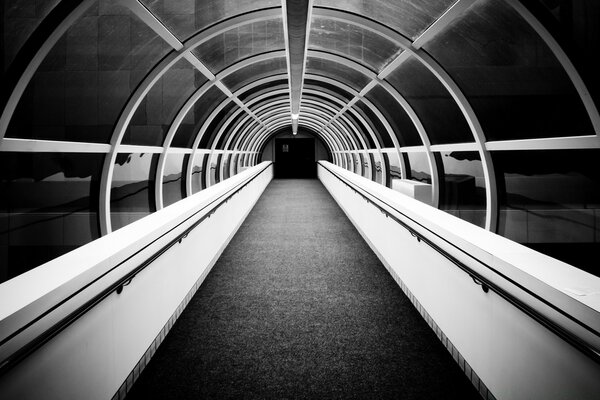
pixel 55 280
pixel 524 265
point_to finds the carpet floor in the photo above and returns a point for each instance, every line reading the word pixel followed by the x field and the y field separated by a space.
pixel 298 306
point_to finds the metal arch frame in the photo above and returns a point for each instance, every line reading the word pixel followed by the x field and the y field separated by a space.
pixel 272 93
pixel 315 103
pixel 265 96
pixel 435 180
pixel 21 85
pixel 273 119
pixel 586 141
pixel 450 85
pixel 268 135
pixel 318 114
pixel 180 50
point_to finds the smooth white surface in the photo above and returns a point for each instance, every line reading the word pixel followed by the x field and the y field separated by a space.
pixel 91 358
pixel 515 356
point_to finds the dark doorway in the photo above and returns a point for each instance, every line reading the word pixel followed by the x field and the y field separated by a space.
pixel 295 158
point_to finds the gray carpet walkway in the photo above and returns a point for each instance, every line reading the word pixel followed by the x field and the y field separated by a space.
pixel 298 306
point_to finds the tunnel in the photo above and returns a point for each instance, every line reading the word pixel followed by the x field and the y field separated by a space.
pixel 300 199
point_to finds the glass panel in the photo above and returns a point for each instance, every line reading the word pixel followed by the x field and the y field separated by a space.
pixel 331 89
pixel 186 133
pixel 361 45
pixel 183 18
pixel 551 202
pixel 173 183
pixel 154 116
pixel 339 72
pixel 418 165
pixel 409 17
pixel 395 169
pixel 215 161
pixel 226 165
pixel 360 127
pixel 402 125
pixel 197 173
pixel 209 136
pixel 462 186
pixel 132 190
pixel 79 91
pixel 234 125
pixel 436 109
pixel 262 89
pixel 234 164
pixel 20 19
pixel 48 207
pixel 578 22
pixel 239 43
pixel 254 72
pixel 516 86
pixel 377 174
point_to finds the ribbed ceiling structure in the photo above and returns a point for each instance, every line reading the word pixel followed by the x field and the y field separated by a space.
pixel 131 105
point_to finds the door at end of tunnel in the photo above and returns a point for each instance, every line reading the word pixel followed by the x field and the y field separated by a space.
pixel 295 158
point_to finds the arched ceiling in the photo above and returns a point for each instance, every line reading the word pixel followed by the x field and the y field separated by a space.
pixel 390 77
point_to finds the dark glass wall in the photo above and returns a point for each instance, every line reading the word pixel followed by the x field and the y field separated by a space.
pixel 48 206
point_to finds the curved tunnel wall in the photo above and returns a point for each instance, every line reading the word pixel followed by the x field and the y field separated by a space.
pixel 113 109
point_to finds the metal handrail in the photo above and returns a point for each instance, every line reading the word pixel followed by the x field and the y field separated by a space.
pixel 202 214
pixel 486 284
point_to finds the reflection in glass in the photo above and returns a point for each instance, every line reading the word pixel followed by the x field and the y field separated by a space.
pixel 173 183
pixel 418 165
pixel 132 189
pixel 551 197
pixel 48 207
pixel 198 179
pixel 393 167
pixel 462 185
pixel 80 88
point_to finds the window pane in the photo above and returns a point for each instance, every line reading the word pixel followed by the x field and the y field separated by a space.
pixel 239 43
pixel 21 19
pixel 173 183
pixel 209 135
pixel 337 71
pixel 418 165
pixel 551 197
pixel 186 133
pixel 403 127
pixel 154 116
pixel 183 18
pixel 81 87
pixel 132 190
pixel 197 173
pixel 409 17
pixel 48 207
pixel 462 188
pixel 551 202
pixel 516 86
pixel 438 112
pixel 255 72
pixel 361 45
